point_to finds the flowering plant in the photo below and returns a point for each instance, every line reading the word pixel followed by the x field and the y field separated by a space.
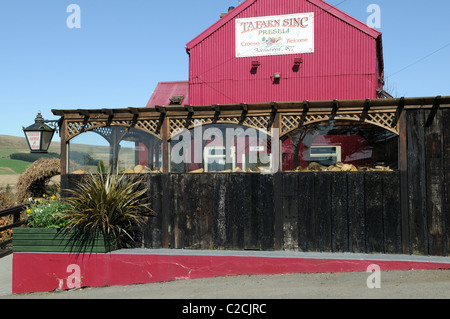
pixel 47 212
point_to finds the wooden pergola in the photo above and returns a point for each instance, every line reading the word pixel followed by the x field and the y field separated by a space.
pixel 164 122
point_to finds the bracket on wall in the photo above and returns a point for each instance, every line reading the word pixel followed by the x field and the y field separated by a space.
pixel 216 109
pixel 244 108
pixel 86 115
pixel 274 107
pixel 398 113
pixel 110 114
pixel 304 112
pixel 190 110
pixel 162 110
pixel 135 112
pixel 334 110
pixel 365 111
pixel 433 112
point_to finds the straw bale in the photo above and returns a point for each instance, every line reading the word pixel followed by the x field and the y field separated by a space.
pixel 32 183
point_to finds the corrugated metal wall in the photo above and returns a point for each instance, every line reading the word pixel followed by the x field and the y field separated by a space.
pixel 344 65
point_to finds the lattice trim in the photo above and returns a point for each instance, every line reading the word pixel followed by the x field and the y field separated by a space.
pixel 384 120
pixel 75 128
pixel 178 125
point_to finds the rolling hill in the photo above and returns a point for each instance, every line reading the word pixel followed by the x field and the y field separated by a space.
pixel 13 144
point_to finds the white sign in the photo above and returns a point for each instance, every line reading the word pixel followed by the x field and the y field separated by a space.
pixel 34 138
pixel 275 35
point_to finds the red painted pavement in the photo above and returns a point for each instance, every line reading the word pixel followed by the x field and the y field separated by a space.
pixel 45 272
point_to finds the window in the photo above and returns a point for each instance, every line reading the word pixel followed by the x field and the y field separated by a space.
pixel 220 148
pixel 117 147
pixel 215 158
pixel 362 145
pixel 325 154
pixel 176 100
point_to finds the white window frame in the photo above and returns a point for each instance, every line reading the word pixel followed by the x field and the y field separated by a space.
pixel 337 154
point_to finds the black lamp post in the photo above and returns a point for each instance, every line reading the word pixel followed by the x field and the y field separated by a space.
pixel 39 135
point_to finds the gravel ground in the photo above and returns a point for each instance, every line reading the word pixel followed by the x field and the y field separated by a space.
pixel 434 284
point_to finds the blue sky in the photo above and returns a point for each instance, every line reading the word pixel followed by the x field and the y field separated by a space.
pixel 124 48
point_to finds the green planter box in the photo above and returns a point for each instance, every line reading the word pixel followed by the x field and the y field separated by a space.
pixel 59 241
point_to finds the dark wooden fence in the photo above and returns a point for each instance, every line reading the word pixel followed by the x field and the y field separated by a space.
pixel 5 245
pixel 403 212
pixel 425 181
pixel 329 212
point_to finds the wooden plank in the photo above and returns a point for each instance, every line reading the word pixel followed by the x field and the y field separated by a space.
pixel 391 213
pixel 60 249
pixel 356 212
pixel 152 232
pixel 11 226
pixel 188 214
pixel 446 173
pixel 5 243
pixel 206 221
pixel 173 206
pixel 251 192
pixel 165 145
pixel 166 210
pixel 64 160
pixel 53 242
pixel 307 236
pixel 251 189
pixel 374 212
pixel 435 182
pixel 220 203
pixel 322 203
pixel 12 210
pixel 267 216
pixel 403 169
pixel 234 213
pixel 339 215
pixel 290 204
pixel 278 211
pixel 417 182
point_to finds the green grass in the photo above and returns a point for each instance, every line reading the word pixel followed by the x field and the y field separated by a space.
pixel 9 166
pixel 13 144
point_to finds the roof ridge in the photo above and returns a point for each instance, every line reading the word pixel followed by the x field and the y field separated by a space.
pixel 339 14
pixel 346 17
pixel 219 23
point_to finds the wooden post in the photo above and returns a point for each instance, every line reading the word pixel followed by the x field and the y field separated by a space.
pixel 403 168
pixel 165 145
pixel 276 142
pixel 64 144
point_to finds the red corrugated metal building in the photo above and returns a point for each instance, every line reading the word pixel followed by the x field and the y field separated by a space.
pixel 244 57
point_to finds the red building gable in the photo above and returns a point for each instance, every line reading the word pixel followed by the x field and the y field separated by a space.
pixel 284 50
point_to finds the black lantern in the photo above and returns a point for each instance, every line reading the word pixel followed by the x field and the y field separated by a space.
pixel 39 135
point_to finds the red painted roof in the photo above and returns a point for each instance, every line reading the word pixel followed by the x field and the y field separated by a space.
pixel 230 16
pixel 346 18
pixel 166 90
pixel 320 3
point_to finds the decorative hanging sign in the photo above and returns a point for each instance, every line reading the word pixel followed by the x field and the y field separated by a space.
pixel 34 140
pixel 275 35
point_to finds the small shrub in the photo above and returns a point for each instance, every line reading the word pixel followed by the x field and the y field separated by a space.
pixel 109 203
pixel 47 212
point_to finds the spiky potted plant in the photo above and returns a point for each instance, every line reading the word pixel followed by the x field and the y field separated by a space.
pixel 101 214
pixel 109 206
